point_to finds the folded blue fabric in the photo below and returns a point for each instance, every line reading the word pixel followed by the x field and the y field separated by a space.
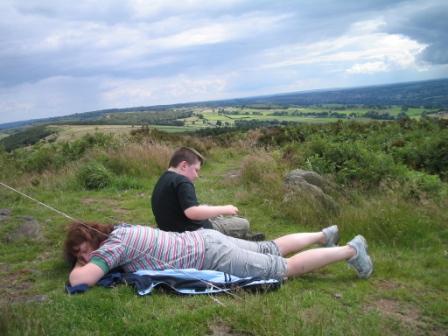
pixel 181 281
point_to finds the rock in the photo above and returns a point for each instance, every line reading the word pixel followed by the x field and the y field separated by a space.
pixel 310 184
pixel 4 214
pixel 311 177
pixel 29 229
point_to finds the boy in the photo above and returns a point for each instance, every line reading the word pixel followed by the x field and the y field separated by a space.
pixel 175 205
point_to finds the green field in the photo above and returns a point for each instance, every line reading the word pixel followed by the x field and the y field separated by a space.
pixel 208 117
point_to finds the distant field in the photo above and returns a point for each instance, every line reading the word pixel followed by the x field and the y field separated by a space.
pixel 71 132
pixel 228 116
pixel 206 117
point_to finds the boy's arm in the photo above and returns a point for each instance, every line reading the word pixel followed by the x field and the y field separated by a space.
pixel 202 212
pixel 88 274
pixel 186 194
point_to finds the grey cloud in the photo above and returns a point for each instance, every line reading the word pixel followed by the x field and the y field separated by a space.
pixel 427 24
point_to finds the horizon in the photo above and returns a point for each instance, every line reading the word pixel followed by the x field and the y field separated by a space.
pixel 61 59
pixel 232 98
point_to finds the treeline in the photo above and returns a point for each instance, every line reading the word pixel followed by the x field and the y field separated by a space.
pixel 27 137
pixel 170 117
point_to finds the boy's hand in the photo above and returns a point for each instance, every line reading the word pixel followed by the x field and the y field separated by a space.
pixel 230 210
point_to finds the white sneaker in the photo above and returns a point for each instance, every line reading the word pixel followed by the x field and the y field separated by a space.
pixel 361 261
pixel 331 234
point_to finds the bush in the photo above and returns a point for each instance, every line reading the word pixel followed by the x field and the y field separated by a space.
pixel 94 176
pixel 418 183
pixel 430 154
pixel 71 151
pixel 40 159
pixel 352 163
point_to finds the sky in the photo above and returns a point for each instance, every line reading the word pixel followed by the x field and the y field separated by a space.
pixel 64 57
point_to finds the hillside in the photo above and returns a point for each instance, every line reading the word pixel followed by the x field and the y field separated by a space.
pixel 431 94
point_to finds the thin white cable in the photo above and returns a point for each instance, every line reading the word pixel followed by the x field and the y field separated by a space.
pixel 130 247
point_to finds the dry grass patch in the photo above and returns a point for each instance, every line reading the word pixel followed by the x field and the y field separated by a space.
pixel 409 316
pixel 139 159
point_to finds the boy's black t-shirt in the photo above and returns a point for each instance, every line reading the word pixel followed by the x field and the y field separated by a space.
pixel 172 195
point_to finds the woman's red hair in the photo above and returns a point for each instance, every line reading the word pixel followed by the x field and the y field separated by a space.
pixel 80 232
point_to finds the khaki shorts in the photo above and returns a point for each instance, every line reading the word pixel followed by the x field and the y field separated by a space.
pixel 241 257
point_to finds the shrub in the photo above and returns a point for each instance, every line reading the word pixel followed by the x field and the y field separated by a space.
pixel 39 159
pixel 430 154
pixel 352 163
pixel 71 151
pixel 418 183
pixel 94 176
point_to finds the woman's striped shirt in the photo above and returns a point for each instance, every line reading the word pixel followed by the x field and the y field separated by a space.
pixel 136 247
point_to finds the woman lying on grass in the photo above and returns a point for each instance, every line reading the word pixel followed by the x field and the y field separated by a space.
pixel 93 249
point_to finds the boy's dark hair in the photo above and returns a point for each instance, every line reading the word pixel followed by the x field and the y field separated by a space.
pixel 190 155
pixel 80 232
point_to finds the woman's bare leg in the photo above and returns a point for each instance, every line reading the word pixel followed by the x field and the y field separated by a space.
pixel 298 241
pixel 313 259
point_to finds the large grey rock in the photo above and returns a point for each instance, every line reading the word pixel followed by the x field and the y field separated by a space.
pixel 28 229
pixel 312 185
pixel 298 176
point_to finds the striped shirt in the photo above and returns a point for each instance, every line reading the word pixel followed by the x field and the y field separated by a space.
pixel 135 247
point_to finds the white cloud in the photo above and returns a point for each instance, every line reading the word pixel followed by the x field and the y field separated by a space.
pixel 370 50
pixel 368 68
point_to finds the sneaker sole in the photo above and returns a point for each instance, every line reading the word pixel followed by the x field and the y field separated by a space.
pixel 365 276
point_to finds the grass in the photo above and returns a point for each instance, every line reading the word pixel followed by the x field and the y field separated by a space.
pixel 408 241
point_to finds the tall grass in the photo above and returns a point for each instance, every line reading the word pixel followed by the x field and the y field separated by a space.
pixel 137 159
